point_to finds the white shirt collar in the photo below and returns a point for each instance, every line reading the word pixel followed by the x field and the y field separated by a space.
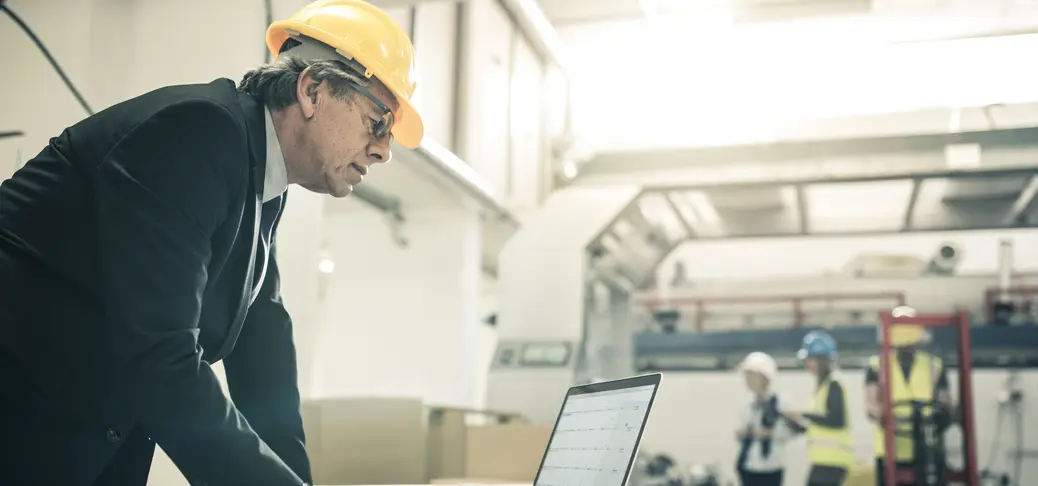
pixel 275 178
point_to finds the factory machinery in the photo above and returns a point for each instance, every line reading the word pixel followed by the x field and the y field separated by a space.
pixel 577 281
pixel 712 327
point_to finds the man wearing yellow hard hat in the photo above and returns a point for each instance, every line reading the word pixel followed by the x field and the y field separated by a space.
pixel 918 376
pixel 138 248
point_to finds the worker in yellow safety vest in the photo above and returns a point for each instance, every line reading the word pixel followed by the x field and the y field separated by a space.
pixel 827 421
pixel 918 377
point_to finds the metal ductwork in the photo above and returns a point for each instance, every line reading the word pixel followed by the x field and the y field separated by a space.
pixel 638 239
pixel 1005 269
pixel 946 259
pixel 1005 309
pixel 885 265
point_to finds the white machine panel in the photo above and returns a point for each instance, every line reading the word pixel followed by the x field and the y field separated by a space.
pixel 541 270
pixel 542 286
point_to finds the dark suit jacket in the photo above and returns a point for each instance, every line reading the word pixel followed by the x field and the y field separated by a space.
pixel 131 249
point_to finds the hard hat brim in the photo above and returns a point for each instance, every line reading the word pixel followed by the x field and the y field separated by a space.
pixel 408 130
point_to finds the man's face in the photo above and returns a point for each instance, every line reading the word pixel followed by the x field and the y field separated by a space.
pixel 812 365
pixel 756 382
pixel 340 140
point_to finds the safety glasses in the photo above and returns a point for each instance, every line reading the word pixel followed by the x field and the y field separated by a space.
pixel 379 128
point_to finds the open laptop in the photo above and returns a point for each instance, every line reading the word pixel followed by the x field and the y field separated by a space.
pixel 597 432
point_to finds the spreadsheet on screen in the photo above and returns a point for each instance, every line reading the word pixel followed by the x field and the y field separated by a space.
pixel 595 438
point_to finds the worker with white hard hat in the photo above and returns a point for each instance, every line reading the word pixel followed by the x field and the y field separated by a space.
pixel 138 248
pixel 918 376
pixel 827 420
pixel 762 432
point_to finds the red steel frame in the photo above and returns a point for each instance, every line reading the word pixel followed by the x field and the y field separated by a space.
pixel 961 322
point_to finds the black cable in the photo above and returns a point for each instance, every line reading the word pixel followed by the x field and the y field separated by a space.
pixel 50 58
pixel 995 441
pixel 1018 454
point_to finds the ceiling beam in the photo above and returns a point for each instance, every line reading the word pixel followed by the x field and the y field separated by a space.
pixel 1025 204
pixel 690 232
pixel 795 151
pixel 939 174
pixel 913 197
pixel 803 212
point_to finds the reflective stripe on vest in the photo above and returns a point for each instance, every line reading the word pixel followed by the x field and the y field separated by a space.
pixel 830 443
pixel 919 387
pixel 827 446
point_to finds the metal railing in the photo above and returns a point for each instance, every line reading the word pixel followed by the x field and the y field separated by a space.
pixel 797 303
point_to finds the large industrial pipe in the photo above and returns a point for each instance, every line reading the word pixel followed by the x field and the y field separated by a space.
pixel 1002 307
pixel 946 260
pixel 1005 269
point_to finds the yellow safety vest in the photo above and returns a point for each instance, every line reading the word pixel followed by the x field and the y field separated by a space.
pixel 919 386
pixel 827 446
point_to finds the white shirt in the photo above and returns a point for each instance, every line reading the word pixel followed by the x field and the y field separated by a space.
pixel 750 418
pixel 275 177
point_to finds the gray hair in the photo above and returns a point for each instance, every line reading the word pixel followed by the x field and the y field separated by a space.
pixel 274 83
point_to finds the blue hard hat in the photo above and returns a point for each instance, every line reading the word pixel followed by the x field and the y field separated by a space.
pixel 817 344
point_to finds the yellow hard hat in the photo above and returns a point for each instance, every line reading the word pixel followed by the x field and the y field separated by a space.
pixel 907 335
pixel 372 38
pixel 902 335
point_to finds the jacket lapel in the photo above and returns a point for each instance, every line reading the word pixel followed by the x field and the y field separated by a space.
pixel 251 212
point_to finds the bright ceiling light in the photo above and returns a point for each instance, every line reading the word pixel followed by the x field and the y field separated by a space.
pixel 569 170
pixel 326 265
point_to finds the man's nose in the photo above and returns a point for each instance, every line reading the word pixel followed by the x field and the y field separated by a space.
pixel 379 151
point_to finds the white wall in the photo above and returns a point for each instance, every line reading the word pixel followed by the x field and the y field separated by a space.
pixel 33 98
pixel 435 40
pixel 401 321
pixel 695 417
pixel 502 110
pixel 709 85
pixel 484 143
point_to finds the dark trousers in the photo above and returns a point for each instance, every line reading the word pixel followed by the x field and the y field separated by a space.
pixel 749 478
pixel 826 476
pixel 38 450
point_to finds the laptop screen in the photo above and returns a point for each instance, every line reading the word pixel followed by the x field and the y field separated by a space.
pixel 597 433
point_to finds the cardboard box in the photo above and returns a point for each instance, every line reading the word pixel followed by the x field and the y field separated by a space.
pixel 376 441
pixel 366 440
pixel 508 452
pixel 457 481
pixel 511 452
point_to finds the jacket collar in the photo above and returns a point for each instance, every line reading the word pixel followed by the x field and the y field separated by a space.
pixel 257 133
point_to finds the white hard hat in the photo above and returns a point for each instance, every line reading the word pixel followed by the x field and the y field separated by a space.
pixel 762 363
pixel 903 311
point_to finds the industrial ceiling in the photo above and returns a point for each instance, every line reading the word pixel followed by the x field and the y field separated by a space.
pixel 961 181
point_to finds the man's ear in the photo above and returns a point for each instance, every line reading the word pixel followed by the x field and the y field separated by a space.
pixel 306 93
